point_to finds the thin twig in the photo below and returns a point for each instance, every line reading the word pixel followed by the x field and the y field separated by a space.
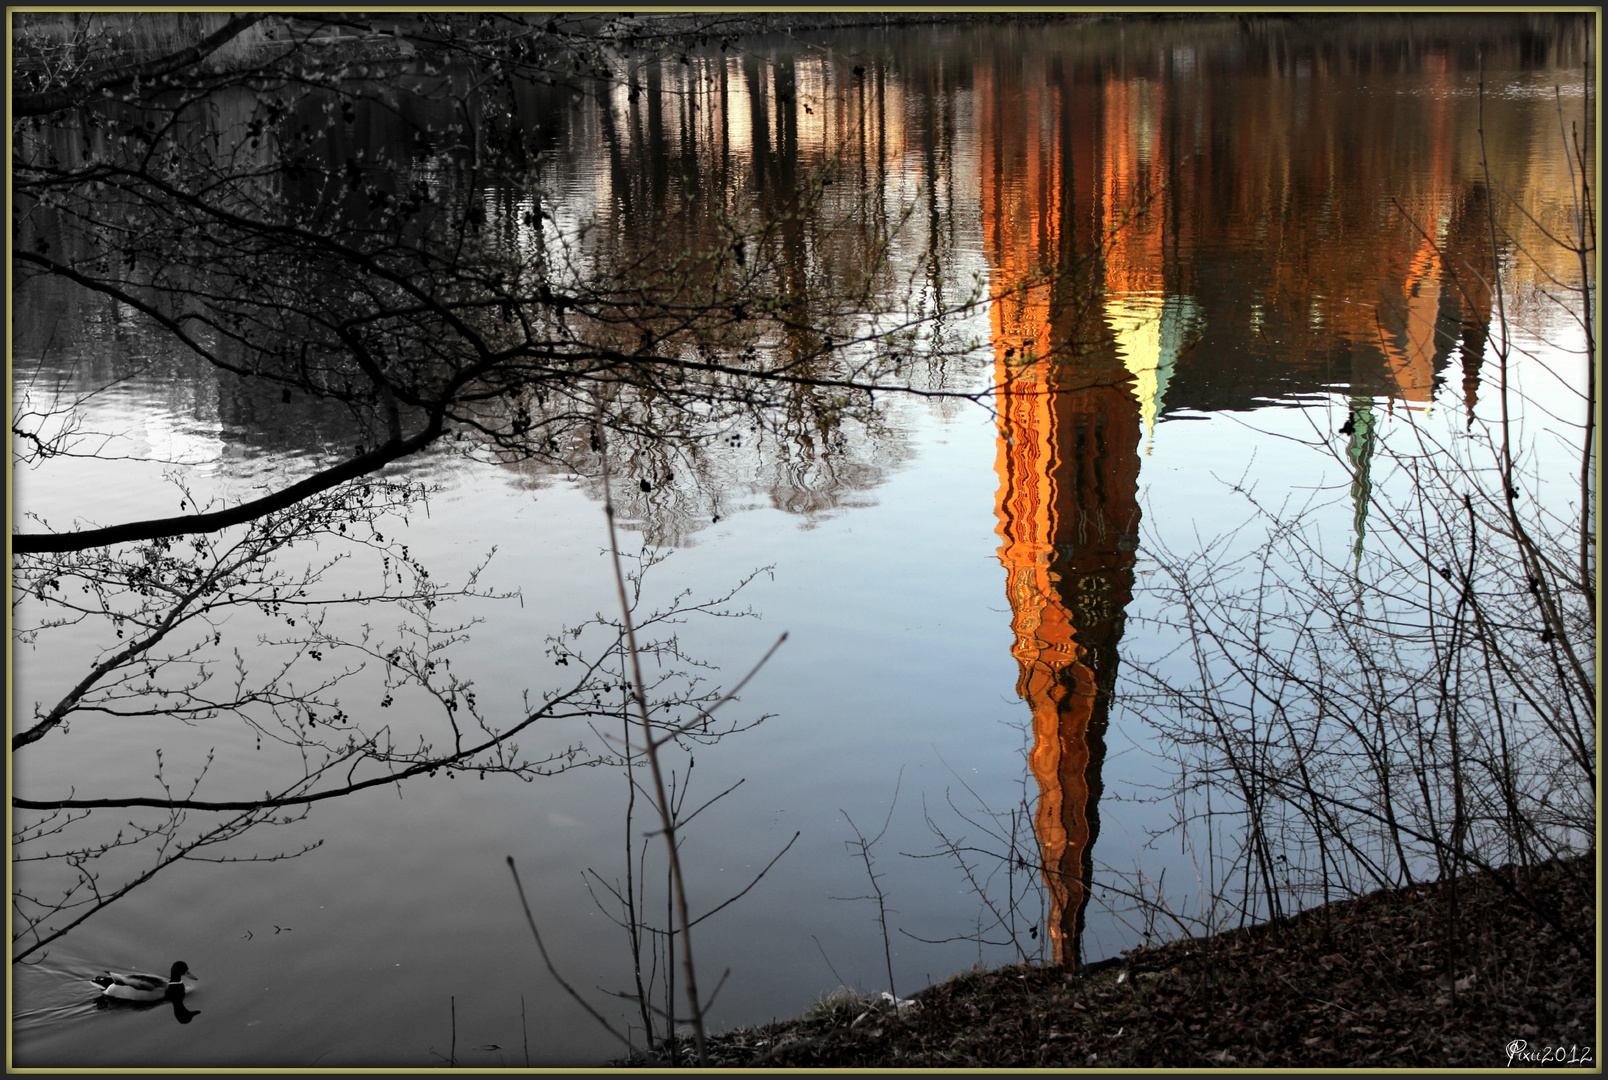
pixel 651 748
pixel 568 989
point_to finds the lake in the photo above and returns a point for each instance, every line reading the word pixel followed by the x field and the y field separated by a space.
pixel 1144 265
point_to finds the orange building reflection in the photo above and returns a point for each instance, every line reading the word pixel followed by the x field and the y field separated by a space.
pixel 1069 433
pixel 1115 209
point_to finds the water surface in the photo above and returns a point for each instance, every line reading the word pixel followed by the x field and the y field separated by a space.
pixel 1199 243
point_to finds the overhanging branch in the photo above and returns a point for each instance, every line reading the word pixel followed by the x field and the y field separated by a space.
pixel 57 100
pixel 184 525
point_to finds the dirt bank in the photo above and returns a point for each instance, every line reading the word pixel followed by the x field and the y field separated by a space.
pixel 1388 980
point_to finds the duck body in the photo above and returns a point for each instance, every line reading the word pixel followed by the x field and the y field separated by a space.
pixel 141 987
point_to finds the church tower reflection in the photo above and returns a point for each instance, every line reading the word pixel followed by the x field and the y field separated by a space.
pixel 1124 198
pixel 1071 314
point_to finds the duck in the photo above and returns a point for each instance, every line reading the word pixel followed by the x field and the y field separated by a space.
pixel 141 987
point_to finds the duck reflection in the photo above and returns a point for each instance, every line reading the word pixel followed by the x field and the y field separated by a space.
pixel 180 1012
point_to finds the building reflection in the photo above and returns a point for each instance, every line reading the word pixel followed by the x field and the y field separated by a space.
pixel 1319 239
pixel 1075 335
pixel 1103 231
